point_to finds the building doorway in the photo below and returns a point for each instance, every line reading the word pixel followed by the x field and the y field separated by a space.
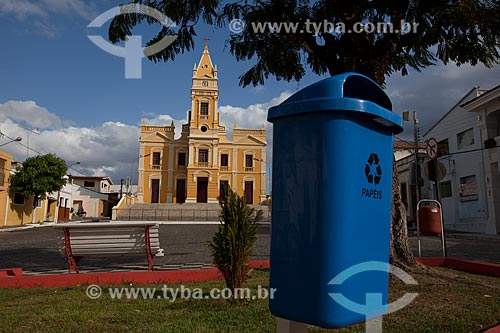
pixel 202 189
pixel 181 191
pixel 155 190
pixel 249 192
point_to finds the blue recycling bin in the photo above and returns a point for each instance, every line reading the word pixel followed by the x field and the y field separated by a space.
pixel 331 207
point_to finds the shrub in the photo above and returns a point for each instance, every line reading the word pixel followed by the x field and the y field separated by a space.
pixel 232 245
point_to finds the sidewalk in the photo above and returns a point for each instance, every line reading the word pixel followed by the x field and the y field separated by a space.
pixel 466 235
pixel 47 224
pixel 468 246
pixel 412 232
pixel 26 226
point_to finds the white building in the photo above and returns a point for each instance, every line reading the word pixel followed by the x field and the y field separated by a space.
pixel 60 203
pixel 91 195
pixel 466 169
pixel 101 184
pixel 486 110
pixel 93 203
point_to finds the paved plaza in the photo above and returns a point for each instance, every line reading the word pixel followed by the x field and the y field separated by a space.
pixel 37 250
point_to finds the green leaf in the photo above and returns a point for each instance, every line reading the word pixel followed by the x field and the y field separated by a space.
pixel 39 175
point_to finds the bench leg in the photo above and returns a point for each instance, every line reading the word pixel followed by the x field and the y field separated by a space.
pixel 72 261
pixel 73 264
pixel 150 263
pixel 148 250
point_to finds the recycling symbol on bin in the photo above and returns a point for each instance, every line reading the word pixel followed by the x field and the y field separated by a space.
pixel 373 171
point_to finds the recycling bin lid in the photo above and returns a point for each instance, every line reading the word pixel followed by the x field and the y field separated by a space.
pixel 351 92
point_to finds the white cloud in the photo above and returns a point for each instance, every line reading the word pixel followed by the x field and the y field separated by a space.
pixel 258 89
pixel 30 113
pixel 435 90
pixel 84 9
pixel 42 17
pixel 253 116
pixel 111 149
pixel 45 28
pixel 22 9
pixel 165 120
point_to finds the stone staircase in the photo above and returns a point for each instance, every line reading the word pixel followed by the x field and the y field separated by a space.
pixel 178 212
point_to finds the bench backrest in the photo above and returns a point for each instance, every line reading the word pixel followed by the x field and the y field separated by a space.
pixel 113 239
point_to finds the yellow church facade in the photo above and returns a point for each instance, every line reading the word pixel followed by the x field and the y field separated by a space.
pixel 193 167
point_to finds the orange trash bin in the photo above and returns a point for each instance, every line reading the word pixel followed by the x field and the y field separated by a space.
pixel 429 220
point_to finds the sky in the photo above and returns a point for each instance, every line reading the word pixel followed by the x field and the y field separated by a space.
pixel 78 104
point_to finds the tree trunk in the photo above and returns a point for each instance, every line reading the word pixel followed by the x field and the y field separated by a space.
pixel 400 254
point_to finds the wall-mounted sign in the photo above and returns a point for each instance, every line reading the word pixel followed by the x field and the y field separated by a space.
pixel 468 192
pixel 467 189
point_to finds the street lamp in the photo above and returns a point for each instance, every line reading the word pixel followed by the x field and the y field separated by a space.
pixel 13 140
pixel 76 163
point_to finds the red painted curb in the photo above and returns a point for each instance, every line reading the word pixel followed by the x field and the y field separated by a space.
pixel 493 330
pixel 9 278
pixel 440 261
pixel 4 272
pixel 115 278
pixel 260 264
pixel 476 267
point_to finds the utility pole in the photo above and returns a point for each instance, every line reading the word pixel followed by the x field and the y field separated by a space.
pixel 416 139
pixel 28 132
pixel 416 135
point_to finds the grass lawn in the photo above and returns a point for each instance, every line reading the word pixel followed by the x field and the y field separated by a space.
pixel 448 301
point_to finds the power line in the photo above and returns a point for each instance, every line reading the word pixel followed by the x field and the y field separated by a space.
pixel 28 131
pixel 450 154
pixel 405 141
pixel 27 147
pixel 11 139
pixel 22 144
pixel 468 151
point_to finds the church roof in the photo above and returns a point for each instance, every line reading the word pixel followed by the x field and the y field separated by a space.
pixel 205 67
